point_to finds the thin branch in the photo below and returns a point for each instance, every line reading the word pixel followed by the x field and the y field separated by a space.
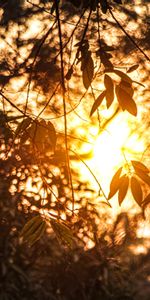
pixel 64 102
pixel 35 57
pixel 100 187
pixel 128 35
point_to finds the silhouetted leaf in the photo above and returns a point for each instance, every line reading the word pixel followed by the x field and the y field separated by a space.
pixel 63 233
pixel 69 73
pixel 136 190
pixel 123 188
pixel 118 1
pixel 23 126
pixel 133 68
pixel 114 185
pixel 122 75
pixel 42 134
pixel 125 100
pixel 139 83
pixel 137 165
pixel 104 6
pixel 97 102
pixel 109 85
pixel 143 176
pixel 127 87
pixel 87 67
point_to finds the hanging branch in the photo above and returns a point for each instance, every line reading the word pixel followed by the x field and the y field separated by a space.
pixel 64 101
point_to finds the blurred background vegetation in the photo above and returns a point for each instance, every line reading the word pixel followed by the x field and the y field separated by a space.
pixel 110 257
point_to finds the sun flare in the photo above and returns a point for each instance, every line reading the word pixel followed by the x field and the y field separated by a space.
pixel 112 148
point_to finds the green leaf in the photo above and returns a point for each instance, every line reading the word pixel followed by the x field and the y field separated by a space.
pixel 114 185
pixel 123 188
pixel 125 100
pixel 63 233
pixel 137 165
pixel 109 85
pixel 97 102
pixel 136 190
pixel 132 68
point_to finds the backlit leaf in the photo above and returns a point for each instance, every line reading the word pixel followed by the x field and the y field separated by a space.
pixel 33 229
pixel 123 188
pixel 109 85
pixel 125 100
pixel 146 207
pixel 136 190
pixel 143 176
pixel 133 68
pixel 97 102
pixel 127 87
pixel 146 200
pixel 37 234
pixel 114 185
pixel 63 233
pixel 122 75
pixel 139 166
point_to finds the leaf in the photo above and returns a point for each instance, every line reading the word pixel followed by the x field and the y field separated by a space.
pixel 87 67
pixel 63 233
pixel 118 1
pixel 23 126
pixel 139 83
pixel 139 166
pixel 69 73
pixel 143 176
pixel 123 188
pixel 127 87
pixel 43 134
pixel 104 6
pixel 38 234
pixel 123 76
pixel 33 229
pixel 125 100
pixel 136 190
pixel 146 201
pixel 97 102
pixel 132 68
pixel 109 85
pixel 114 185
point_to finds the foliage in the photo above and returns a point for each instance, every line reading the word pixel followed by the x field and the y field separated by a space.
pixel 36 147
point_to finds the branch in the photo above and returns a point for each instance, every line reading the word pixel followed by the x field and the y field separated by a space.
pixel 129 37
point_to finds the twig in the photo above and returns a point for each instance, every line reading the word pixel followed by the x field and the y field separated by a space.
pixel 127 34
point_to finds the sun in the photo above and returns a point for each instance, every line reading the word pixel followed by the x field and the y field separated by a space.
pixel 111 149
pixel 113 146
